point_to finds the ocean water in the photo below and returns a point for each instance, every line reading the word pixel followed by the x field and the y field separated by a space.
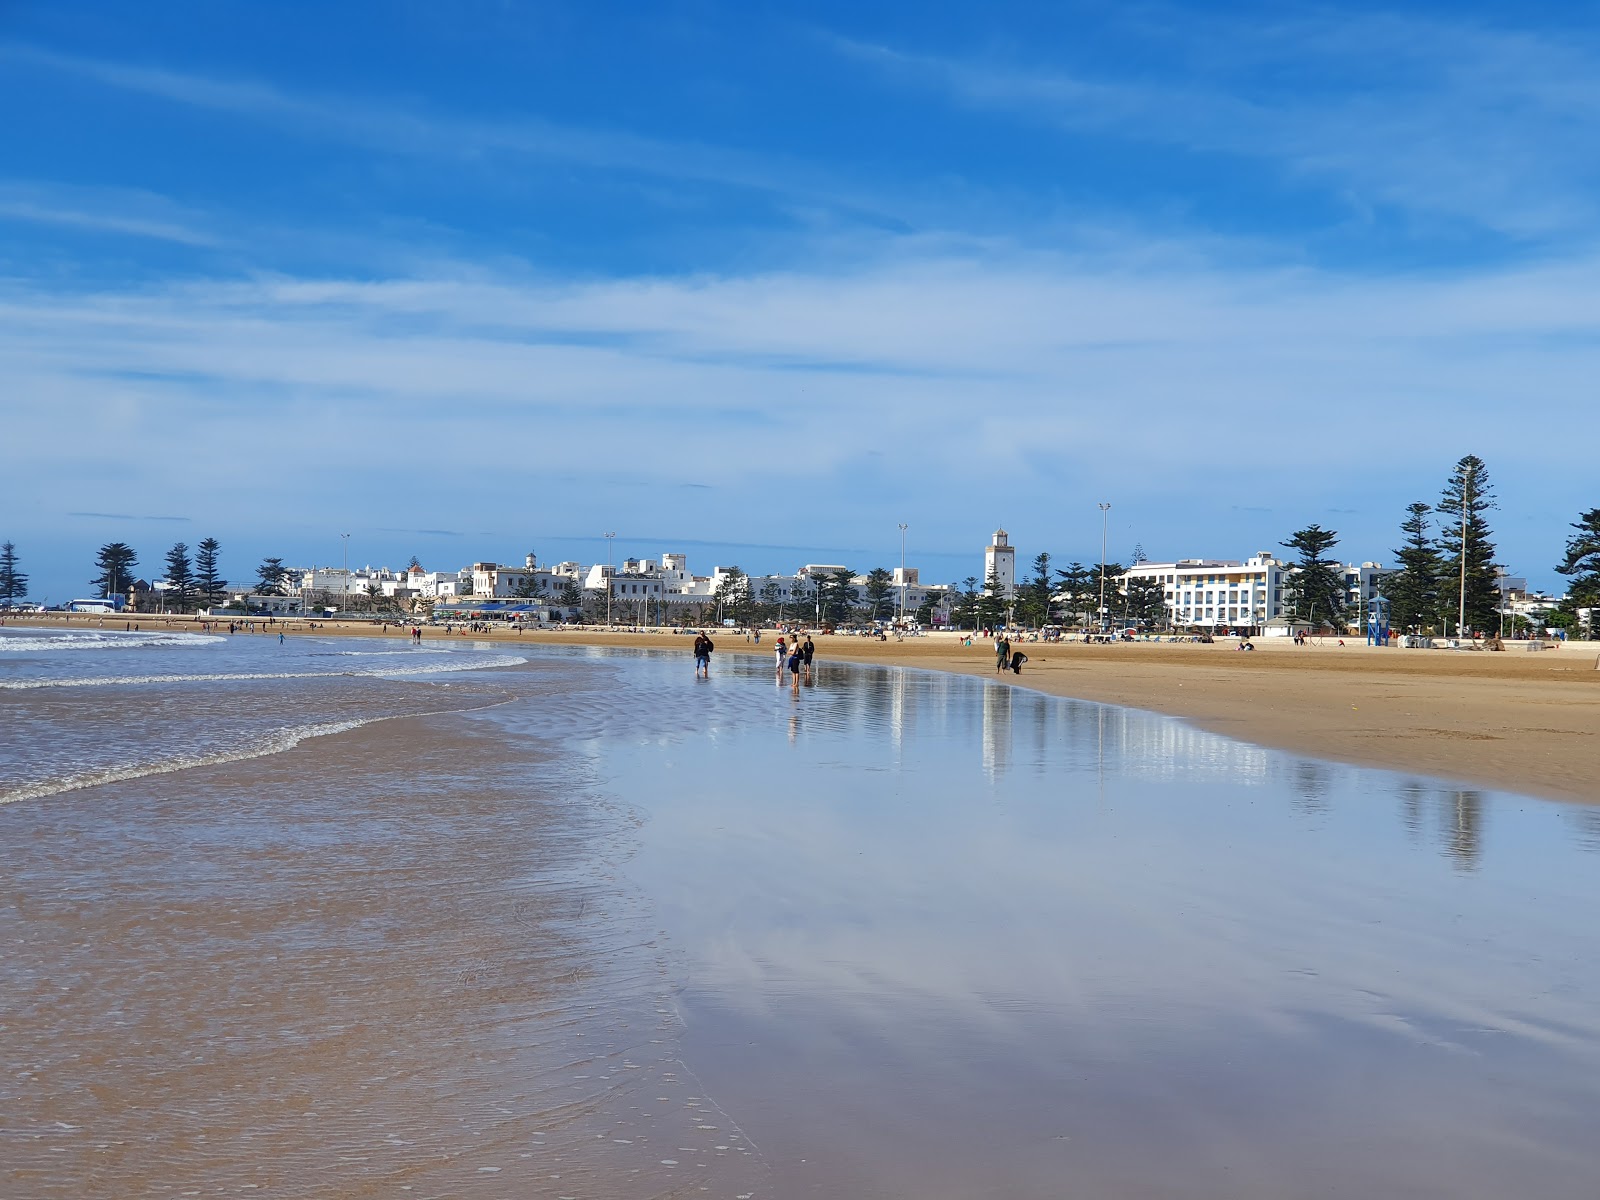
pixel 349 917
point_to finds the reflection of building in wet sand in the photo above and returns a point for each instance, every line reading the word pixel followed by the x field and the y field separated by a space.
pixel 1458 814
pixel 997 707
pixel 1463 828
pixel 1152 747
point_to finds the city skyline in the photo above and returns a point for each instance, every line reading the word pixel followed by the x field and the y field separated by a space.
pixel 766 286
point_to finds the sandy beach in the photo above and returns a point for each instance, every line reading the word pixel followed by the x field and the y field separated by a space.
pixel 1516 720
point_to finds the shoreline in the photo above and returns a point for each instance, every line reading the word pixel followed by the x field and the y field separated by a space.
pixel 1514 721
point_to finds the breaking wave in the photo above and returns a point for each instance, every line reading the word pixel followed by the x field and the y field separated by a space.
pixel 20 641
pixel 464 663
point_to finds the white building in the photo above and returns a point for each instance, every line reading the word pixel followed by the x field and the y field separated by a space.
pixel 1214 592
pixel 1000 562
pixel 496 581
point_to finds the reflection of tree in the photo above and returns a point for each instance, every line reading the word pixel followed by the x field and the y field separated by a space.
pixel 1311 782
pixel 1462 814
pixel 1585 827
pixel 1412 802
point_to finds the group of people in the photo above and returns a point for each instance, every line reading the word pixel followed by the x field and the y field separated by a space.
pixel 1005 658
pixel 796 657
pixel 792 656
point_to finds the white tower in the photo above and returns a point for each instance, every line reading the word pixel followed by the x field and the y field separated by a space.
pixel 1000 561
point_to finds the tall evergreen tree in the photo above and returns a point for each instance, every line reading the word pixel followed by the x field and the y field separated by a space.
pixel 1074 588
pixel 1315 590
pixel 993 603
pixel 838 596
pixel 1033 597
pixel 180 579
pixel 270 576
pixel 1582 566
pixel 1467 493
pixel 880 584
pixel 1413 590
pixel 965 611
pixel 116 562
pixel 1146 599
pixel 13 583
pixel 209 585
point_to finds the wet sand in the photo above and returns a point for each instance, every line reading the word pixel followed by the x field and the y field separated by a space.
pixel 393 961
pixel 1516 720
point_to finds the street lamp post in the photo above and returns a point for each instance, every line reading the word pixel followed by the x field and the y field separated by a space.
pixel 344 586
pixel 901 622
pixel 1105 509
pixel 609 536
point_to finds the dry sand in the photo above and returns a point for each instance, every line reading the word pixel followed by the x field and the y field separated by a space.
pixel 1518 720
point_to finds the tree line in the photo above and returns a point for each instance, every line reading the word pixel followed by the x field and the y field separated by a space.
pixel 1446 579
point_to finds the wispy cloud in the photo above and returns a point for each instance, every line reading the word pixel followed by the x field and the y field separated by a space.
pixel 1446 118
pixel 120 211
pixel 395 128
pixel 102 516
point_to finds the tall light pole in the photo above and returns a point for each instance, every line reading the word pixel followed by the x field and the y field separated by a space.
pixel 901 622
pixel 344 546
pixel 609 588
pixel 1105 509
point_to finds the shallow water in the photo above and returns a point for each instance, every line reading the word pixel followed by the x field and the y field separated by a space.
pixel 604 929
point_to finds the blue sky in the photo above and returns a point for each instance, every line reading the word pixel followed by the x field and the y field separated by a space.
pixel 761 282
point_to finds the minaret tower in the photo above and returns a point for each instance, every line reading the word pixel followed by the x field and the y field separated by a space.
pixel 1000 560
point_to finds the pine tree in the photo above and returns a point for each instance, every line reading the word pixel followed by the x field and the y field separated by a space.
pixel 1074 586
pixel 210 587
pixel 992 604
pixel 1467 492
pixel 1413 590
pixel 180 579
pixel 270 577
pixel 1582 566
pixel 1033 597
pixel 966 606
pixel 838 596
pixel 1146 601
pixel 115 561
pixel 13 583
pixel 1315 589
pixel 880 583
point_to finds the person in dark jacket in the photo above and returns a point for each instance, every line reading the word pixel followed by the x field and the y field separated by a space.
pixel 703 646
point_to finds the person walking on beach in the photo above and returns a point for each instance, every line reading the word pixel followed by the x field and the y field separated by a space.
pixel 808 651
pixel 796 661
pixel 703 647
pixel 782 653
pixel 1002 652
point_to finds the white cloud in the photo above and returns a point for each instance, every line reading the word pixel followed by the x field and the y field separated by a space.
pixel 122 211
pixel 1448 119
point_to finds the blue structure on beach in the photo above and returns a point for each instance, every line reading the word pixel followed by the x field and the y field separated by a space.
pixel 1378 622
